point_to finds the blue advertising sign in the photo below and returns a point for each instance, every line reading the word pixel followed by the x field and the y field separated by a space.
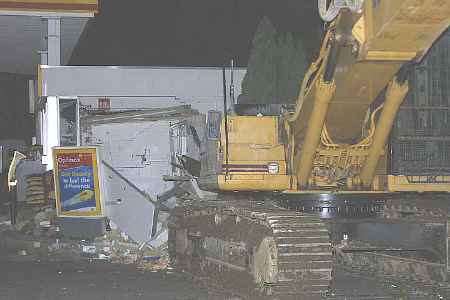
pixel 77 181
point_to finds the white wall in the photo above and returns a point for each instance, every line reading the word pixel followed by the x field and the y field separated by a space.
pixel 130 87
pixel 139 151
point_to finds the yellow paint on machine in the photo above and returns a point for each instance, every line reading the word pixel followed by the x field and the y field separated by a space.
pixel 254 152
pixel 253 141
pixel 256 182
pixel 405 25
pixel 252 130
pixel 407 184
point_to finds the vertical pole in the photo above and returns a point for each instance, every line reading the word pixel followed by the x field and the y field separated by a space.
pixel 77 111
pixel 52 106
pixel 447 252
pixel 395 94
pixel 13 204
pixel 233 102
pixel 53 134
pixel 225 112
pixel 44 43
pixel 54 41
pixel 40 114
pixel 323 95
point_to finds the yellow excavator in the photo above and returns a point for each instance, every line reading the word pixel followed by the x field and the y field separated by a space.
pixel 309 189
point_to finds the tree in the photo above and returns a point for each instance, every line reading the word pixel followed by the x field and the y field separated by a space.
pixel 276 67
pixel 258 85
pixel 291 67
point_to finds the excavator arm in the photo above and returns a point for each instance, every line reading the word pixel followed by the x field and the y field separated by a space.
pixel 362 52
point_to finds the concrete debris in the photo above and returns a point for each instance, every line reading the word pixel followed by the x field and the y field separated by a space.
pixel 89 249
pixel 37 236
pixel 117 247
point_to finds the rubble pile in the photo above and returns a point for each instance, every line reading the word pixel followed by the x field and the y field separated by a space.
pixel 117 247
pixel 37 234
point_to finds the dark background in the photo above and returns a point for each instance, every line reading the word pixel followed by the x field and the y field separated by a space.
pixel 188 33
pixel 166 33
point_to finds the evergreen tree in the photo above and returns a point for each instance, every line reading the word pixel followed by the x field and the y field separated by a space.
pixel 284 60
pixel 276 67
pixel 258 85
pixel 292 67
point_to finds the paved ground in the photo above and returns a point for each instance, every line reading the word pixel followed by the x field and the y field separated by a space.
pixel 66 280
pixel 23 278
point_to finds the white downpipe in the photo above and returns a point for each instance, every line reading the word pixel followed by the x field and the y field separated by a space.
pixel 51 116
pixel 51 130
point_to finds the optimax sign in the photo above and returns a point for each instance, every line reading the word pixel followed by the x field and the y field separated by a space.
pixel 77 184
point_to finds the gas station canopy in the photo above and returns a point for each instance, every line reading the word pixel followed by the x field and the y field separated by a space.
pixel 24 30
pixel 80 8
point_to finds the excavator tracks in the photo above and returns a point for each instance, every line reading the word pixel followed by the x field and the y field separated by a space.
pixel 256 250
pixel 398 236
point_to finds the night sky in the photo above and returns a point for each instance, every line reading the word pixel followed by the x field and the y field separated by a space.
pixel 167 33
pixel 188 33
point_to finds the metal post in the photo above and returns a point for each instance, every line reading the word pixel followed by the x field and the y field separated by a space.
pixel 43 47
pixel 54 41
pixel 13 204
pixel 225 113
pixel 233 101
pixel 447 252
pixel 52 106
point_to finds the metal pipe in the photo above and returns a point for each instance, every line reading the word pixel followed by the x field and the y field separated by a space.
pixel 233 101
pixel 225 113
pixel 323 94
pixel 395 94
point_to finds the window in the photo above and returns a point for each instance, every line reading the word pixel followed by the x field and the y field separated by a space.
pixel 68 122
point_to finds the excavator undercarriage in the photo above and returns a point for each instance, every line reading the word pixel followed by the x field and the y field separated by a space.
pixel 286 246
pixel 253 247
pixel 401 236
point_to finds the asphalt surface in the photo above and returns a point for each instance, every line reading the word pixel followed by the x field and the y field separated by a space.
pixel 25 277
pixel 84 280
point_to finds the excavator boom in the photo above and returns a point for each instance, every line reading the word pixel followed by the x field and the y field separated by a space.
pixel 361 54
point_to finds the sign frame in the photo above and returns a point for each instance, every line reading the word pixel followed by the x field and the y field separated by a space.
pixel 98 211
